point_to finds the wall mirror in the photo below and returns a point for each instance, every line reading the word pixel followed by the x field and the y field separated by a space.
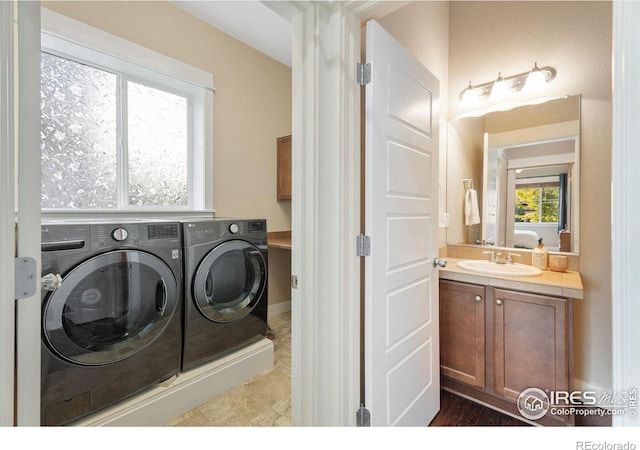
pixel 528 160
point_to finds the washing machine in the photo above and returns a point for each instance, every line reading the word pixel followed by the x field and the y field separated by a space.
pixel 225 268
pixel 111 323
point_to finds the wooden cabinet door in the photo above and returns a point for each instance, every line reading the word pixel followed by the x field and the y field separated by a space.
pixel 284 168
pixel 462 332
pixel 531 342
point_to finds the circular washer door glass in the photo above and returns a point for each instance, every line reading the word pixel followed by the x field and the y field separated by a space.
pixel 110 307
pixel 229 281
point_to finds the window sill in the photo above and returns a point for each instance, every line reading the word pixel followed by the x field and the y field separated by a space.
pixel 78 216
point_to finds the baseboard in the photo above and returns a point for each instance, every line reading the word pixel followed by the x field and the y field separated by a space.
pixel 279 308
pixel 583 386
pixel 580 385
pixel 163 403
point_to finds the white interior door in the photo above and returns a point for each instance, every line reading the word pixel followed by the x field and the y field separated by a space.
pixel 402 384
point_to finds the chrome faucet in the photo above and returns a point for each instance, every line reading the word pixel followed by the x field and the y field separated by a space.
pixel 509 257
pixel 492 255
pixel 500 259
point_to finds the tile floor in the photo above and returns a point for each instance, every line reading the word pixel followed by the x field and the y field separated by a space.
pixel 264 400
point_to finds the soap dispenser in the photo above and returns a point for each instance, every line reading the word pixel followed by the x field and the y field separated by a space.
pixel 540 256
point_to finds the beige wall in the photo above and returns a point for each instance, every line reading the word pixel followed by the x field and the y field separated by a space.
pixel 252 106
pixel 485 38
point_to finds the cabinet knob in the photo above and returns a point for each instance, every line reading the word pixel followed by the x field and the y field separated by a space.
pixel 499 301
pixel 478 298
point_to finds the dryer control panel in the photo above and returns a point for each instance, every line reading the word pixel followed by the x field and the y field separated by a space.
pixel 257 227
pixel 219 229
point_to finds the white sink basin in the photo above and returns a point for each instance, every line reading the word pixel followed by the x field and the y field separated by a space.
pixel 491 268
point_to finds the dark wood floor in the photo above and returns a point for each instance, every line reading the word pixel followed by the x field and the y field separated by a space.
pixel 456 411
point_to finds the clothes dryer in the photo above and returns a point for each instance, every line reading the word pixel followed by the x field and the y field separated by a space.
pixel 225 267
pixel 112 327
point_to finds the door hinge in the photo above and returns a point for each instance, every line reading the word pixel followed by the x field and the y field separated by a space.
pixel 25 277
pixel 363 245
pixel 294 282
pixel 363 74
pixel 363 417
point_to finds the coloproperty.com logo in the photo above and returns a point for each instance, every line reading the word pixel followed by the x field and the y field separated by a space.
pixel 534 403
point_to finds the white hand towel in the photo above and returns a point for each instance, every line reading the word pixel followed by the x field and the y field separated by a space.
pixel 443 221
pixel 471 210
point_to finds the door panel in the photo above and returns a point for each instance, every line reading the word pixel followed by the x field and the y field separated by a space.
pixel 401 159
pixel 407 242
pixel 406 90
pixel 402 384
pixel 407 310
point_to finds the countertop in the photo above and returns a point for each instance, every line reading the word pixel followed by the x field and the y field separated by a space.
pixel 561 284
pixel 279 239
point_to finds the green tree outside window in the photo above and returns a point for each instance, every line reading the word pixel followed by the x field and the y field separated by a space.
pixel 537 205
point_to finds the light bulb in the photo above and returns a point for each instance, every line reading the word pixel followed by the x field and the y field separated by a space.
pixel 469 95
pixel 499 89
pixel 536 80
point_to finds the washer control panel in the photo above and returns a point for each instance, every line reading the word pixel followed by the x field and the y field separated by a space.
pixel 119 234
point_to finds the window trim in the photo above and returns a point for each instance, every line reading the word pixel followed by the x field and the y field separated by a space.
pixel 78 41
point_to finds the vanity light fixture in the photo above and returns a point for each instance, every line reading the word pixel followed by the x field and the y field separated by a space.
pixel 500 88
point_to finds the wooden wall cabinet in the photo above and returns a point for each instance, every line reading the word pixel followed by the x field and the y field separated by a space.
pixel 527 342
pixel 284 167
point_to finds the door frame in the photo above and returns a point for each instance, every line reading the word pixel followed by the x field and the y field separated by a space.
pixel 325 305
pixel 7 206
pixel 28 310
pixel 625 216
pixel 325 207
pixel 20 210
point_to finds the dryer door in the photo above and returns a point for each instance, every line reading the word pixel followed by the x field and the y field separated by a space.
pixel 110 307
pixel 230 281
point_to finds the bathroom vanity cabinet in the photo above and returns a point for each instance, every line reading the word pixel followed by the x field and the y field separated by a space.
pixel 497 342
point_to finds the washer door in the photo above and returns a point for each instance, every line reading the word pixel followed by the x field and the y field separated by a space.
pixel 230 281
pixel 110 307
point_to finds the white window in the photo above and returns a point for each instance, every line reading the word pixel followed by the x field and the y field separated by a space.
pixel 120 135
pixel 538 200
